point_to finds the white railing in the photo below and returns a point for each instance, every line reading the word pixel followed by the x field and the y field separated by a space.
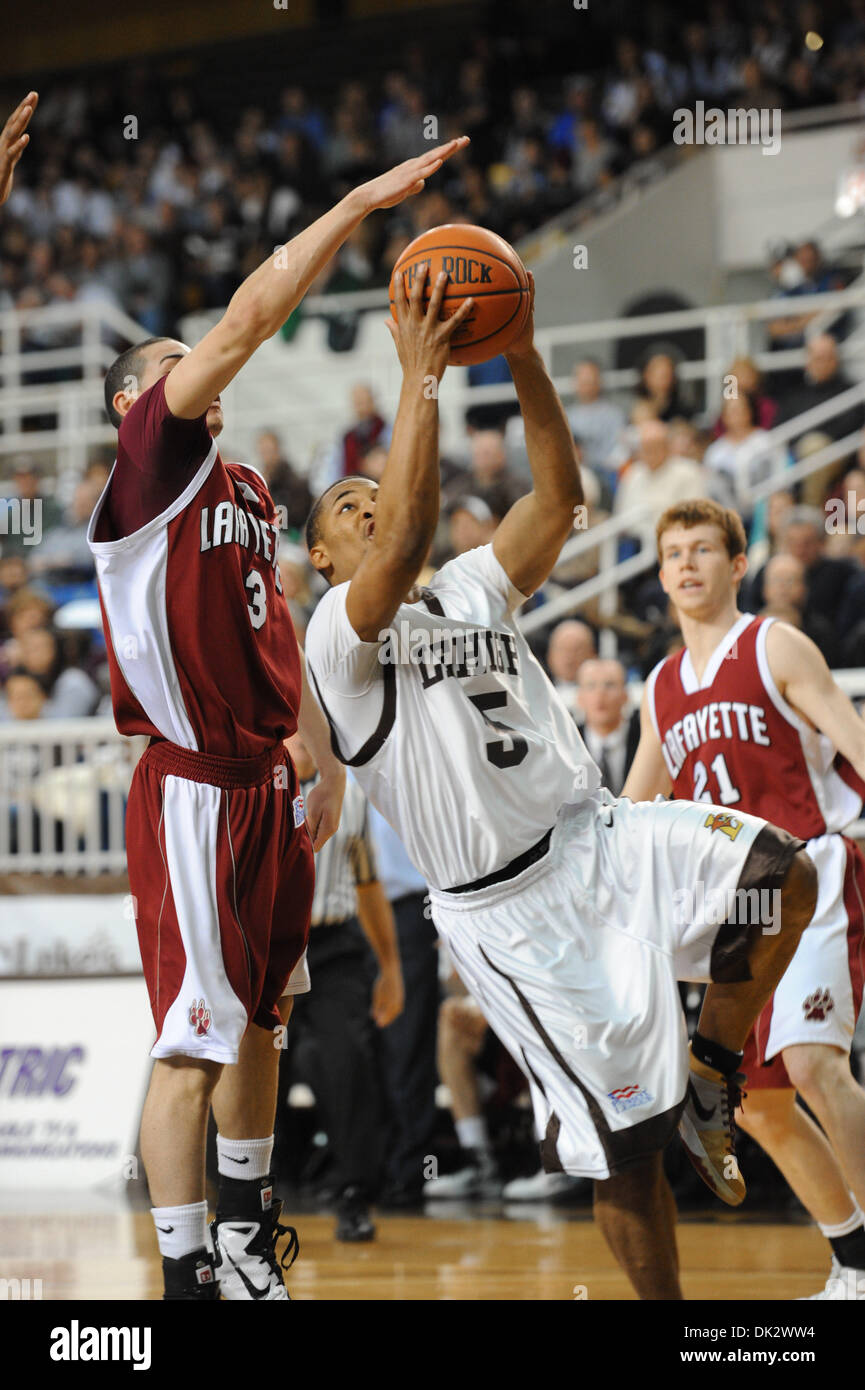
pixel 63 787
pixel 64 783
pixel 604 538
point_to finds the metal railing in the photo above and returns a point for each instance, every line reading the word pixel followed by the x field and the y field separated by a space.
pixel 604 538
pixel 63 788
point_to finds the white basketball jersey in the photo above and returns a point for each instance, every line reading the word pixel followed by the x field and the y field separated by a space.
pixel 449 722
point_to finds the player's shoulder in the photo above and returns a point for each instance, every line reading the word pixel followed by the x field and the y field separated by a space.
pixel 247 468
pixel 479 566
pixel 328 611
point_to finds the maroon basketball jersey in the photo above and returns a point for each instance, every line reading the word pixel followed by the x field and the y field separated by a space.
pixel 201 647
pixel 732 739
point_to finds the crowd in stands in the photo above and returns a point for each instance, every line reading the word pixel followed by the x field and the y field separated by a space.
pixel 156 197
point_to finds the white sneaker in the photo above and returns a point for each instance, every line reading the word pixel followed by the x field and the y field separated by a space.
pixel 540 1187
pixel 468 1183
pixel 247 1265
pixel 843 1283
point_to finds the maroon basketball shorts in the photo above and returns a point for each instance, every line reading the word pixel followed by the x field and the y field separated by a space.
pixel 818 998
pixel 221 871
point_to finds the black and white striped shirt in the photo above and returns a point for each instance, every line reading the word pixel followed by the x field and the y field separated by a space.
pixel 346 861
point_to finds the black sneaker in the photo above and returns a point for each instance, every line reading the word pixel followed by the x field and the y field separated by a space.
pixel 193 1276
pixel 352 1217
pixel 246 1257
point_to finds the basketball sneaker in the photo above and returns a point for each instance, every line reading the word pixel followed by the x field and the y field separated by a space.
pixel 544 1187
pixel 246 1259
pixel 843 1284
pixel 479 1179
pixel 707 1129
pixel 191 1277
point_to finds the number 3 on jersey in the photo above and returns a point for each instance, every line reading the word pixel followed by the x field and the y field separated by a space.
pixel 500 754
pixel 258 598
pixel 727 793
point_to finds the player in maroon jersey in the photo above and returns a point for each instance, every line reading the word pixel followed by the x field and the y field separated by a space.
pixel 748 716
pixel 204 660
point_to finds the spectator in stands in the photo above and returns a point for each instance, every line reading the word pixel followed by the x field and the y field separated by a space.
pixel 287 488
pixel 742 453
pixel 686 441
pixel 610 733
pixel 659 384
pixel 821 380
pixel 23 696
pixel 802 534
pixel 70 691
pixel 26 610
pixel 765 534
pixel 851 493
pixel 595 421
pixel 489 476
pixel 370 427
pixel 745 378
pixel 785 592
pixel 808 274
pixel 30 505
pixel 571 643
pixel 14 575
pixel 64 556
pixel 296 575
pixel 470 523
pixel 658 479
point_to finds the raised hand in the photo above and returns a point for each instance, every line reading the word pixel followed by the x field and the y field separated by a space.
pixel 422 338
pixel 14 141
pixel 408 178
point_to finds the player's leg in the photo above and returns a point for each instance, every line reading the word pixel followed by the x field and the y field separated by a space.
pixel 822 1076
pixel 462 1029
pixel 173 1136
pixel 636 1213
pixel 271 892
pixel 800 1149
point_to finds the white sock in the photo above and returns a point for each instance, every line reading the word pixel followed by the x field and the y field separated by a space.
pixel 846 1228
pixel 244 1158
pixel 472 1133
pixel 180 1230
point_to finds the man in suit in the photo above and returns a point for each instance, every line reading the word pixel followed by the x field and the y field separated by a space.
pixel 609 732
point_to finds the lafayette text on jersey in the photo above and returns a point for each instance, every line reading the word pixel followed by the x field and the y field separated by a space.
pixel 732 738
pixel 201 647
pixel 451 726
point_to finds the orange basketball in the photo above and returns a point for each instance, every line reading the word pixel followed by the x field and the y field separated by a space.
pixel 481 266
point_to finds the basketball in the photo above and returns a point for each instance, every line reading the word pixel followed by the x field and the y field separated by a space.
pixel 481 266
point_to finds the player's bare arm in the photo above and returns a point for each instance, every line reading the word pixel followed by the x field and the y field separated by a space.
pixel 14 141
pixel 648 776
pixel 324 803
pixel 407 501
pixel 261 305
pixel 805 681
pixel 528 542
pixel 375 915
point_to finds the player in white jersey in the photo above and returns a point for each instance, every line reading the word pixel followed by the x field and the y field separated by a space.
pixel 554 899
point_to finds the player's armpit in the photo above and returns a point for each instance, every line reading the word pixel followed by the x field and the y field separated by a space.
pixel 648 776
pixel 199 377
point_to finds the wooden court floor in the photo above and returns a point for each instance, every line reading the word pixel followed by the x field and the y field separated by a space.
pixel 109 1252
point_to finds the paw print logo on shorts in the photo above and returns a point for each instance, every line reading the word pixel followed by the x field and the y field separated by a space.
pixel 199 1018
pixel 818 1005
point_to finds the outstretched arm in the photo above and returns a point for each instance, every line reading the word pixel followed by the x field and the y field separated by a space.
pixel 266 298
pixel 528 541
pixel 14 141
pixel 800 672
pixel 407 502
pixel 324 803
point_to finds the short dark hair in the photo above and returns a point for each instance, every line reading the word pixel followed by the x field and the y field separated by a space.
pixel 312 530
pixel 129 363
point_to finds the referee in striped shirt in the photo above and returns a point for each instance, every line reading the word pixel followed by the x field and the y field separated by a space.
pixel 349 910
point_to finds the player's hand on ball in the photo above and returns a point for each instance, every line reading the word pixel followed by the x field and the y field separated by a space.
pixel 406 179
pixel 388 996
pixel 525 343
pixel 423 338
pixel 324 805
pixel 14 141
